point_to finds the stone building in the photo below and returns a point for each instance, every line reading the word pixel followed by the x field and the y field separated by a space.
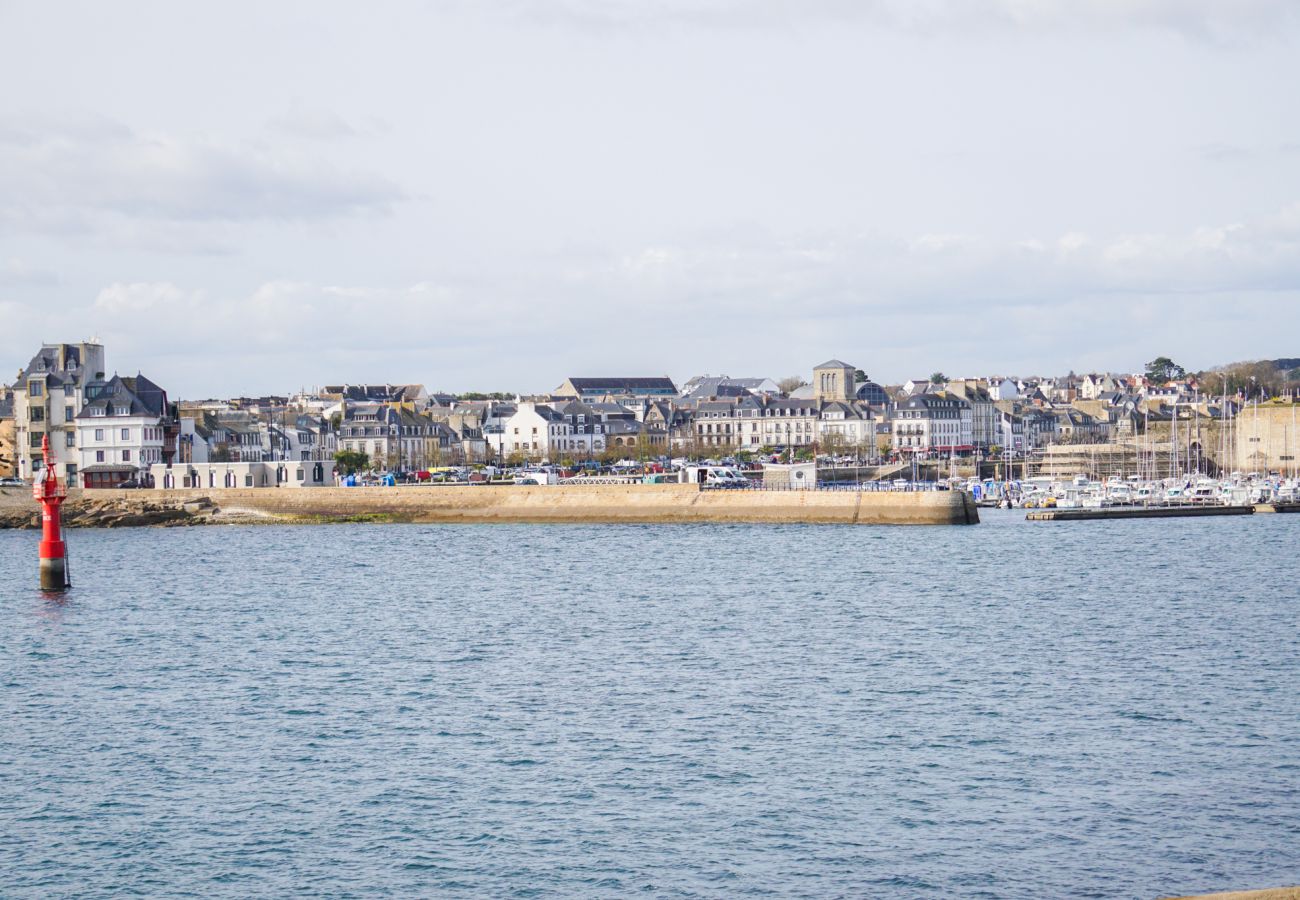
pixel 49 393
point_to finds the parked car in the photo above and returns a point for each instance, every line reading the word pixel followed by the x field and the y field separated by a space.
pixel 130 484
pixel 12 482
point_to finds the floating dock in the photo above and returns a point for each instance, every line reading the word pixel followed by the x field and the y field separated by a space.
pixel 1285 507
pixel 1135 512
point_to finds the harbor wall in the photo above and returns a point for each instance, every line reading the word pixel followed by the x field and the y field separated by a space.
pixel 579 503
pixel 1268 439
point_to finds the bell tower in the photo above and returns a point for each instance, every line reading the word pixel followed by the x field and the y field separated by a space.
pixel 833 380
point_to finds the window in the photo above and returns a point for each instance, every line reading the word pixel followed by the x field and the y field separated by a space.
pixel 35 389
pixel 69 439
pixel 99 456
pixel 126 434
pixel 38 414
pixel 68 413
pixel 36 438
pixel 126 456
pixel 99 434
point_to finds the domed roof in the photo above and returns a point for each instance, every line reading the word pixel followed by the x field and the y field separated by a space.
pixel 871 392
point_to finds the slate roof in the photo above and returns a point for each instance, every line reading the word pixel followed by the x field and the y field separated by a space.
pixel 834 364
pixel 928 401
pixel 618 385
pixel 360 393
pixel 139 395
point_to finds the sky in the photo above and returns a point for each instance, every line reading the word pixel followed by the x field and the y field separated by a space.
pixel 250 198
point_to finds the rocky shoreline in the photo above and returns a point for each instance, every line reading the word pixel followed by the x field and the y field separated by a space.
pixel 127 512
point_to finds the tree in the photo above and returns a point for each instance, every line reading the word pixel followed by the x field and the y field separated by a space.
pixel 859 375
pixel 351 460
pixel 790 383
pixel 938 378
pixel 1162 369
pixel 833 443
pixel 1250 379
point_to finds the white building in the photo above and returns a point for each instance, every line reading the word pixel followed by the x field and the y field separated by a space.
pixel 284 474
pixel 122 430
pixel 930 423
pixel 536 431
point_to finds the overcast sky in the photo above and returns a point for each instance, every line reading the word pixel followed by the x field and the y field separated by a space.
pixel 255 197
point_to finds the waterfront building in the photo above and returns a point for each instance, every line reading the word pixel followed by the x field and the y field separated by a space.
pixel 983 412
pixel 47 396
pixel 535 431
pixel 278 474
pixel 844 426
pixel 395 436
pixel 125 426
pixel 933 423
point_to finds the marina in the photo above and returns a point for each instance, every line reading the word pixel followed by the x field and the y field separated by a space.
pixel 1136 512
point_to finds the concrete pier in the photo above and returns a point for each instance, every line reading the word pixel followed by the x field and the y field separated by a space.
pixel 639 503
pixel 1282 507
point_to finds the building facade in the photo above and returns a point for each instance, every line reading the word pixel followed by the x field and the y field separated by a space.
pixel 49 393
pixel 125 427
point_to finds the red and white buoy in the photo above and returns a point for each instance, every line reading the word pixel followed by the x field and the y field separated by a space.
pixel 54 553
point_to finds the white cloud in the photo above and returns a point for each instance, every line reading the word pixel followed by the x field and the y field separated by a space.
pixel 81 175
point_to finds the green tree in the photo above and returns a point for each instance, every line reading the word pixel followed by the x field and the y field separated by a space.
pixel 938 378
pixel 351 461
pixel 859 375
pixel 1162 369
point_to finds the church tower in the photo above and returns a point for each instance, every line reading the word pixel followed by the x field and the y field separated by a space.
pixel 833 380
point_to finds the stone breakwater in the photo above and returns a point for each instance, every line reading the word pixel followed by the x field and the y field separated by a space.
pixel 516 503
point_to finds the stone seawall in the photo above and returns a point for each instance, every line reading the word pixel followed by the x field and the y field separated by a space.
pixel 573 504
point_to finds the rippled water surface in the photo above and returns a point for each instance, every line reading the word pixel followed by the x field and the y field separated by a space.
pixel 1013 710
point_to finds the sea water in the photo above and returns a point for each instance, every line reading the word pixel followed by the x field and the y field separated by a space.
pixel 1091 709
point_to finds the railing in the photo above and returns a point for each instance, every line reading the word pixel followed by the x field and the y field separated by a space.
pixel 869 486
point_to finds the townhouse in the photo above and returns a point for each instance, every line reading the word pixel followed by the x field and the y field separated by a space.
pixel 125 427
pixel 47 396
pixel 933 422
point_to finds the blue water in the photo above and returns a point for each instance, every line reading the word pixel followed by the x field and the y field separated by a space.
pixel 1092 709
